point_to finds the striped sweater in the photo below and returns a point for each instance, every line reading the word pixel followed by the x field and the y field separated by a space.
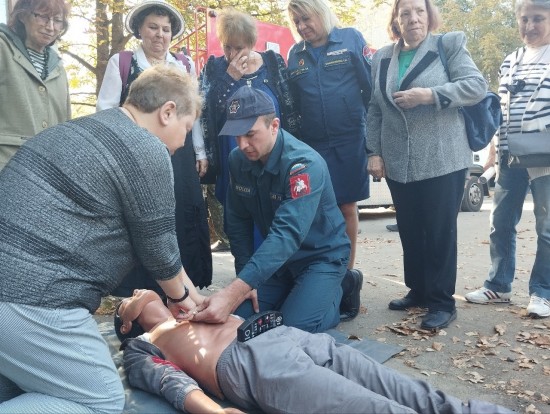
pixel 80 204
pixel 529 108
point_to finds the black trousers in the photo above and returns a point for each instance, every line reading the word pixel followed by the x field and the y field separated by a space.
pixel 426 213
pixel 191 228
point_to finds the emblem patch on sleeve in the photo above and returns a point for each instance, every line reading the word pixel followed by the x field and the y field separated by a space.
pixel 299 185
pixel 367 53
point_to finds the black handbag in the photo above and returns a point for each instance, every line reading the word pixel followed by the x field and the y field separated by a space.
pixel 482 119
pixel 529 149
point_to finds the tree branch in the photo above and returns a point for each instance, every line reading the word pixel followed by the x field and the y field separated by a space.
pixel 79 60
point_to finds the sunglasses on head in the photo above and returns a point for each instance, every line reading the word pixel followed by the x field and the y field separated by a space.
pixel 516 86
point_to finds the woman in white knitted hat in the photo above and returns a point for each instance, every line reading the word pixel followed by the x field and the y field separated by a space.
pixel 156 23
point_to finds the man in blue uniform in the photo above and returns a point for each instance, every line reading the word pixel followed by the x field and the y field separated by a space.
pixel 284 187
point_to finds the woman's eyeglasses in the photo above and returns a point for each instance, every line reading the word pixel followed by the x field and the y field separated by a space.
pixel 516 86
pixel 44 20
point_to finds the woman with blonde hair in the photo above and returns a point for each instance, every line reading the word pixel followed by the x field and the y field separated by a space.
pixel 329 73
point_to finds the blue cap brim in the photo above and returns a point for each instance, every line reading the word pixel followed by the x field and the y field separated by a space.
pixel 237 127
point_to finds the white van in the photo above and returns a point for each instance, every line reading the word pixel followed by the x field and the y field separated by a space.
pixel 474 191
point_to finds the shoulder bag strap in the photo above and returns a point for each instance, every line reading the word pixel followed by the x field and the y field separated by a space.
pixel 183 59
pixel 124 62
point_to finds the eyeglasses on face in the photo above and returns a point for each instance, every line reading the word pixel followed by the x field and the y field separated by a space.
pixel 516 86
pixel 44 20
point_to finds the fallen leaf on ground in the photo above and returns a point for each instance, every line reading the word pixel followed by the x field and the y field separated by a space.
pixel 518 351
pixel 531 409
pixel 500 329
pixel 475 377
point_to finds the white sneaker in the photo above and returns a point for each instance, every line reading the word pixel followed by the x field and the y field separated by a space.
pixel 538 307
pixel 484 295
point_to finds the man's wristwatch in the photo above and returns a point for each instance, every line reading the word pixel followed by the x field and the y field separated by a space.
pixel 171 300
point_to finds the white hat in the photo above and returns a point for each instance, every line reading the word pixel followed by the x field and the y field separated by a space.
pixel 145 4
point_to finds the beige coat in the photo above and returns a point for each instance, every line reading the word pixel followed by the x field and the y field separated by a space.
pixel 28 104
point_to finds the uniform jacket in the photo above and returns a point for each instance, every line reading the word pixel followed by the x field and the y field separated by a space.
pixel 332 94
pixel 217 86
pixel 429 140
pixel 292 202
pixel 28 104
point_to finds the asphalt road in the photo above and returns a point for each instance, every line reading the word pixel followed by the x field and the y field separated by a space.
pixel 491 352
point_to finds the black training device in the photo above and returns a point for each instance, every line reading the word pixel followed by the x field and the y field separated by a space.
pixel 258 324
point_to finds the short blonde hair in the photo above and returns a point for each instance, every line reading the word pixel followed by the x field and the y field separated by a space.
pixel 319 8
pixel 234 25
pixel 162 83
pixel 434 19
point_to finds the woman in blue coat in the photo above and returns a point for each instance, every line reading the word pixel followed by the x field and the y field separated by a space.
pixel 329 72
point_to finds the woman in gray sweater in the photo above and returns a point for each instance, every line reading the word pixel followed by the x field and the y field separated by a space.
pixel 417 141
pixel 81 203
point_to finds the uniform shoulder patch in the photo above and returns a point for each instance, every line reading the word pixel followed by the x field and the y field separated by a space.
pixel 299 185
pixel 368 53
pixel 296 168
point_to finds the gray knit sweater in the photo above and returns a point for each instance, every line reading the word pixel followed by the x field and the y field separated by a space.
pixel 79 204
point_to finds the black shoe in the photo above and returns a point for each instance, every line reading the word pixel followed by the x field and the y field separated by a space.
pixel 437 319
pixel 392 227
pixel 404 303
pixel 351 300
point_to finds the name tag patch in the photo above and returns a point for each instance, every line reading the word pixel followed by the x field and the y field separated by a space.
pixel 243 190
pixel 337 52
pixel 277 198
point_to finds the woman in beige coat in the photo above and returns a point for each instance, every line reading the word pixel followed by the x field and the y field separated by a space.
pixel 33 83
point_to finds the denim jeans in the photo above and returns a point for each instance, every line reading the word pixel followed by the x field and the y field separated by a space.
pixel 510 191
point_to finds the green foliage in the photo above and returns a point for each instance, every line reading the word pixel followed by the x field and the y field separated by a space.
pixel 490 27
pixel 103 35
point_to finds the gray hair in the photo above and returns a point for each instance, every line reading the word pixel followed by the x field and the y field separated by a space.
pixel 319 8
pixel 543 4
pixel 234 26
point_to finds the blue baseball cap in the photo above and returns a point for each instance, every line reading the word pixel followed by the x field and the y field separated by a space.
pixel 243 109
